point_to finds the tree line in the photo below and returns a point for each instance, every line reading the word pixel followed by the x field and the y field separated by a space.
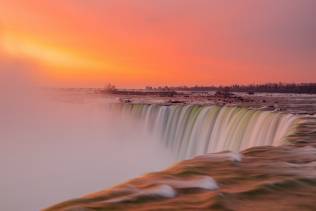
pixel 306 88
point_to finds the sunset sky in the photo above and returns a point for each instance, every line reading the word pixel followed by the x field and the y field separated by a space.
pixel 134 43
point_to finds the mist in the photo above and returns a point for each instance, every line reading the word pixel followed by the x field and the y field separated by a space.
pixel 53 150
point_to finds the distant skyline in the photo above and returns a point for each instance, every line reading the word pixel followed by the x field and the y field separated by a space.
pixel 77 43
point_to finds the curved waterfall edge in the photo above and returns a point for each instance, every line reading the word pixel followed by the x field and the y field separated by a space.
pixel 190 130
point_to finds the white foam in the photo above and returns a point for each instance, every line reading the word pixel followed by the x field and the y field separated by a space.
pixel 163 190
pixel 203 182
pixel 232 156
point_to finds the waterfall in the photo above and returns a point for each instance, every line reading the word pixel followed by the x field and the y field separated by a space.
pixel 189 130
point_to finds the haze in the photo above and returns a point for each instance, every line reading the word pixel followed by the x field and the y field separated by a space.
pixel 52 149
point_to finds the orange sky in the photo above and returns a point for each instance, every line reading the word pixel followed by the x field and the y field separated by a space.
pixel 78 43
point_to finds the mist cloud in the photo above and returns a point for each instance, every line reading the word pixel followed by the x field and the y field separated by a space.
pixel 54 150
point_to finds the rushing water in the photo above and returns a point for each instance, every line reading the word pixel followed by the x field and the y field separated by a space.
pixel 190 130
pixel 281 176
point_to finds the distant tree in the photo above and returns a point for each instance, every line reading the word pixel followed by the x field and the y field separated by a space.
pixel 253 88
pixel 110 87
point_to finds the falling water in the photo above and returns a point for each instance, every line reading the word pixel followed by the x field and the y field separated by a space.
pixel 189 130
pixel 281 175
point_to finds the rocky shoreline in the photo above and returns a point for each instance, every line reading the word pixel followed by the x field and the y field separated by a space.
pixel 292 103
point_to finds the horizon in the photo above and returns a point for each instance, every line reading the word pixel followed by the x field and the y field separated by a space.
pixel 186 86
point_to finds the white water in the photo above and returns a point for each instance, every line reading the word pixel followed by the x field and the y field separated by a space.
pixel 193 130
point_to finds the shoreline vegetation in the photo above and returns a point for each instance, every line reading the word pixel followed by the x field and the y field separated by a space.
pixel 303 88
pixel 290 88
pixel 299 88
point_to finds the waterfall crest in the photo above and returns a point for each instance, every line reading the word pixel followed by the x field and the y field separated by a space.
pixel 189 130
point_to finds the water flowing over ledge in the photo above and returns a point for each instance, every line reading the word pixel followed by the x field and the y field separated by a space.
pixel 189 130
pixel 279 177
